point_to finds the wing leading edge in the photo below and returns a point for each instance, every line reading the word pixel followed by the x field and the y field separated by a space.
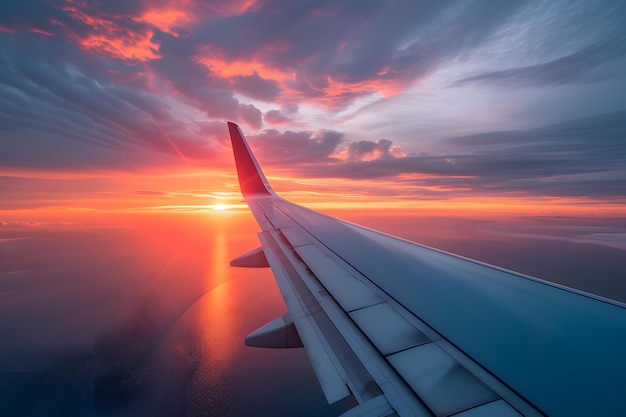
pixel 410 330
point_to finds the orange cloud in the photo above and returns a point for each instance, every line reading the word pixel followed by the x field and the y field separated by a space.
pixel 135 46
pixel 169 17
pixel 332 93
pixel 110 38
pixel 221 67
pixel 335 93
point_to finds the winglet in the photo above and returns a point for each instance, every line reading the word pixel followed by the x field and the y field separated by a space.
pixel 251 178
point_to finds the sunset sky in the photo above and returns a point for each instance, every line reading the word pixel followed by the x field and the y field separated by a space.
pixel 495 129
pixel 498 105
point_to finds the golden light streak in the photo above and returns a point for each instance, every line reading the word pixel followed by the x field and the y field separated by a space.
pixel 218 302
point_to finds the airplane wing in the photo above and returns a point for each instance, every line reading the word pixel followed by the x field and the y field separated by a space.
pixel 409 330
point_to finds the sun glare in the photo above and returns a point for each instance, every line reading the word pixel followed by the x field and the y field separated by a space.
pixel 219 207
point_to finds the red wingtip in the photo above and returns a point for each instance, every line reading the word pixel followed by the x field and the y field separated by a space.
pixel 251 178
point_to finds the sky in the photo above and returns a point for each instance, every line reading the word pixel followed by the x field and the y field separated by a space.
pixel 438 105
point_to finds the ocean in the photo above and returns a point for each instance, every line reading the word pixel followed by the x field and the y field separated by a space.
pixel 139 314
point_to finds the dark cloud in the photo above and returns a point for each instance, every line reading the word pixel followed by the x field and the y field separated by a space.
pixel 334 52
pixel 256 87
pixel 114 42
pixel 48 103
pixel 364 149
pixel 274 147
pixel 585 157
pixel 193 82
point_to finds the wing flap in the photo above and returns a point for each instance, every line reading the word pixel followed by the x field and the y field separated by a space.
pixel 301 309
pixel 389 331
pixel 329 377
pixel 440 381
pixel 376 407
pixel 349 292
pixel 493 409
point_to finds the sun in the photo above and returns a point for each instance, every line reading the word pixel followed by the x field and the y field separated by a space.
pixel 219 207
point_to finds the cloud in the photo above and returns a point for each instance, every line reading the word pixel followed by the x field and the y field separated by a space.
pixel 331 54
pixel 255 87
pixel 584 157
pixel 602 60
pixel 289 147
pixel 94 85
pixel 117 36
pixel 53 111
pixel 318 150
pixel 325 53
pixel 251 115
pixel 365 150
pixel 276 117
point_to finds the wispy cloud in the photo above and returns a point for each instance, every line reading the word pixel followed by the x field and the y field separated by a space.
pixel 596 62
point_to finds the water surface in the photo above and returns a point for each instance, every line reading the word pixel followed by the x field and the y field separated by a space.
pixel 125 315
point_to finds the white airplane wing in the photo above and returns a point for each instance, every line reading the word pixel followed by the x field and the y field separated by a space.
pixel 410 330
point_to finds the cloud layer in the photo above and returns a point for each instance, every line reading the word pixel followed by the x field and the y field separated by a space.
pixel 585 157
